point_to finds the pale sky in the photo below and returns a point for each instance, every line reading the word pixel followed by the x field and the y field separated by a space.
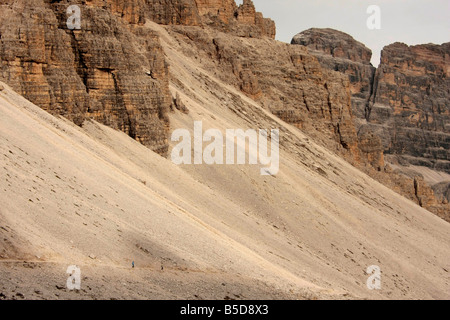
pixel 408 21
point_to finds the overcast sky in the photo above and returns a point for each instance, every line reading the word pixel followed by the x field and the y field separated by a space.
pixel 408 21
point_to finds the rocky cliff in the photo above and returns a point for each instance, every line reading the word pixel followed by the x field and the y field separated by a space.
pixel 113 68
pixel 340 52
pixel 242 20
pixel 285 79
pixel 404 103
pixel 401 108
pixel 109 70
pixel 410 103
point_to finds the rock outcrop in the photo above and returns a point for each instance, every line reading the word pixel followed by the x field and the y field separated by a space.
pixel 404 102
pixel 286 79
pixel 434 199
pixel 442 192
pixel 340 52
pixel 182 12
pixel 243 21
pixel 101 71
pixel 411 103
pixel 113 68
pixel 401 108
pixel 223 15
pixel 371 148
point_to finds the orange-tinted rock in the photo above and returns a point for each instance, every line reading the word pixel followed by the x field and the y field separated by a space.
pixel 246 13
pixel 424 193
pixel 184 12
pixel 224 10
pixel 223 15
pixel 401 108
pixel 340 52
pixel 243 21
pixel 113 69
pixel 99 71
pixel 371 147
pixel 404 102
pixel 333 43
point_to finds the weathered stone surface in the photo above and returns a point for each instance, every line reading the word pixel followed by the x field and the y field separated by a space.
pixel 427 199
pixel 224 10
pixel 132 11
pixel 243 21
pixel 246 12
pixel 413 82
pixel 333 43
pixel 371 147
pixel 401 108
pixel 340 52
pixel 405 101
pixel 223 15
pixel 98 71
pixel 284 78
pixel 34 58
pixel 184 12
pixel 113 69
pixel 179 104
pixel 424 193
pixel 442 192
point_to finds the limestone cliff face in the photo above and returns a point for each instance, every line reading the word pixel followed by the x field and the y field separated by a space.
pixel 113 69
pixel 404 103
pixel 35 55
pixel 286 79
pixel 183 12
pixel 243 21
pixel 338 51
pixel 222 9
pixel 411 100
pixel 109 70
pixel 401 108
pixel 442 192
pixel 223 15
pixel 334 43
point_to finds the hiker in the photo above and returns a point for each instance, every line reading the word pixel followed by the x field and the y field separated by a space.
pixel 132 264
